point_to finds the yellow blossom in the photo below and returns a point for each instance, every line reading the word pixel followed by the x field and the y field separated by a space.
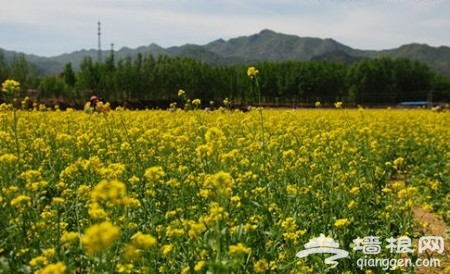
pixel 341 223
pixel 57 268
pixel 38 261
pixel 166 249
pixel 354 191
pixel 49 253
pixel 260 266
pixel 124 268
pixel 21 201
pixel 398 163
pixel 221 182
pixel 174 232
pixel 291 190
pixel 10 87
pixel 97 212
pixel 252 72
pixel 99 237
pixel 130 252
pixel 113 191
pixel 338 105
pixel 154 174
pixel 238 249
pixel 143 241
pixel 352 204
pixel 58 200
pixel 199 266
pixel 69 237
pixel 195 229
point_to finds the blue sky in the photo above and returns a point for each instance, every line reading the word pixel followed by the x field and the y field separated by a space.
pixel 53 27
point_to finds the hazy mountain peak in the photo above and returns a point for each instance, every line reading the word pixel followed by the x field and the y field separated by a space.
pixel 267 45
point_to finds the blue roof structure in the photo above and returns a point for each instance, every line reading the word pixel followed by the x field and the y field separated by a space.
pixel 414 103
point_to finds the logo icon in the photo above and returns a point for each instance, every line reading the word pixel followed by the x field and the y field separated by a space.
pixel 326 245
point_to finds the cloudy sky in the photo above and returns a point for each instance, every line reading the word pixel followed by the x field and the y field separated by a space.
pixel 53 27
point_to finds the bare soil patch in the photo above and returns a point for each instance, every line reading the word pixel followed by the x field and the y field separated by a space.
pixel 434 227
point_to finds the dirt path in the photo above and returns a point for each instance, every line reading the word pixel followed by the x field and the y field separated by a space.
pixel 435 227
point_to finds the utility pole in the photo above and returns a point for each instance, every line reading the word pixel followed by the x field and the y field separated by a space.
pixel 430 99
pixel 112 51
pixel 99 53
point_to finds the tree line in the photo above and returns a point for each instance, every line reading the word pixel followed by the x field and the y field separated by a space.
pixel 154 81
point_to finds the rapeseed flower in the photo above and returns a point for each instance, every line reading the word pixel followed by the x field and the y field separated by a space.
pixel 173 231
pixel 195 229
pixel 398 163
pixel 354 190
pixel 10 87
pixel 238 248
pixel 352 204
pixel 252 72
pixel 112 191
pixel 57 268
pixel 226 102
pixel 235 201
pixel 21 202
pixel 125 268
pixel 58 201
pixel 339 223
pixel 8 159
pixel 196 102
pixel 130 252
pixel 199 266
pixel 39 261
pixel 166 249
pixel 409 192
pixel 222 182
pixel 289 224
pixel 154 174
pixel 99 237
pixel 261 266
pixel 292 190
pixel 338 105
pixel 331 161
pixel 215 136
pixel 97 212
pixel 143 241
pixel 49 252
pixel 68 238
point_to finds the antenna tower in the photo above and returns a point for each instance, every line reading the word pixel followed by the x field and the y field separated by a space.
pixel 99 53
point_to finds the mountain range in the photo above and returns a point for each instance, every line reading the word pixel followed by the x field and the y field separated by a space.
pixel 266 45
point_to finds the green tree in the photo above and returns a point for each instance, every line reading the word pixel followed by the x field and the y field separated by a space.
pixel 53 87
pixel 414 80
pixel 4 68
pixel 107 79
pixel 88 78
pixel 69 75
pixel 22 71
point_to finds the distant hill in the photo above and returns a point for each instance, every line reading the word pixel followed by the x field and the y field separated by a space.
pixel 264 46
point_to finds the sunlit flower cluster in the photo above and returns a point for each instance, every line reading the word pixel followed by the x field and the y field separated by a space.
pixel 252 72
pixel 10 87
pixel 217 191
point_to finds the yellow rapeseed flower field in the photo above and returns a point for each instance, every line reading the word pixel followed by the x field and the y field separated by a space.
pixel 212 192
